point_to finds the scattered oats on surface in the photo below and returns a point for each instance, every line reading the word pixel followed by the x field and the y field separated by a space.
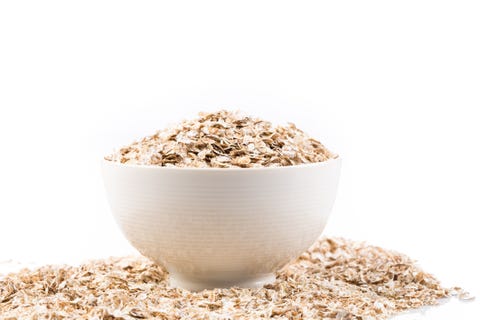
pixel 335 279
pixel 224 139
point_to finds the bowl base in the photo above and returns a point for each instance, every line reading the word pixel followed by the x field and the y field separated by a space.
pixel 177 281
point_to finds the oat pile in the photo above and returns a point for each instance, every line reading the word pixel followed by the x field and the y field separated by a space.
pixel 224 139
pixel 335 279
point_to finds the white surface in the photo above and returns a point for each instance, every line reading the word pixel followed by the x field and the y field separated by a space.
pixel 391 86
pixel 217 228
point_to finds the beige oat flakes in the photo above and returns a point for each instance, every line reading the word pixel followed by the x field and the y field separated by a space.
pixel 335 279
pixel 222 140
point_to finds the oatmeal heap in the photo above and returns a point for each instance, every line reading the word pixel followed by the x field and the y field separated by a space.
pixel 335 279
pixel 222 140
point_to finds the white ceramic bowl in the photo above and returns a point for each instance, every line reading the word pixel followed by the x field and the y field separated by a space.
pixel 221 227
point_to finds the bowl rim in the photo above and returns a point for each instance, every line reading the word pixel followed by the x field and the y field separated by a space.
pixel 337 159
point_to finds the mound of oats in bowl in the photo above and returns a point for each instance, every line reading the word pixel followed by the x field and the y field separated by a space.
pixel 224 139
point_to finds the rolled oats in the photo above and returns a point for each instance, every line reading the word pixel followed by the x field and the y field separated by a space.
pixel 335 279
pixel 222 140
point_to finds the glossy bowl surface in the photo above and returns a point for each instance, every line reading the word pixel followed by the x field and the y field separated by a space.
pixel 221 227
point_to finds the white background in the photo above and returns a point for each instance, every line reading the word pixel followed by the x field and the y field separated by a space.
pixel 393 87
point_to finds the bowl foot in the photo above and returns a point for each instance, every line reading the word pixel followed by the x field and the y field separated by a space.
pixel 177 281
